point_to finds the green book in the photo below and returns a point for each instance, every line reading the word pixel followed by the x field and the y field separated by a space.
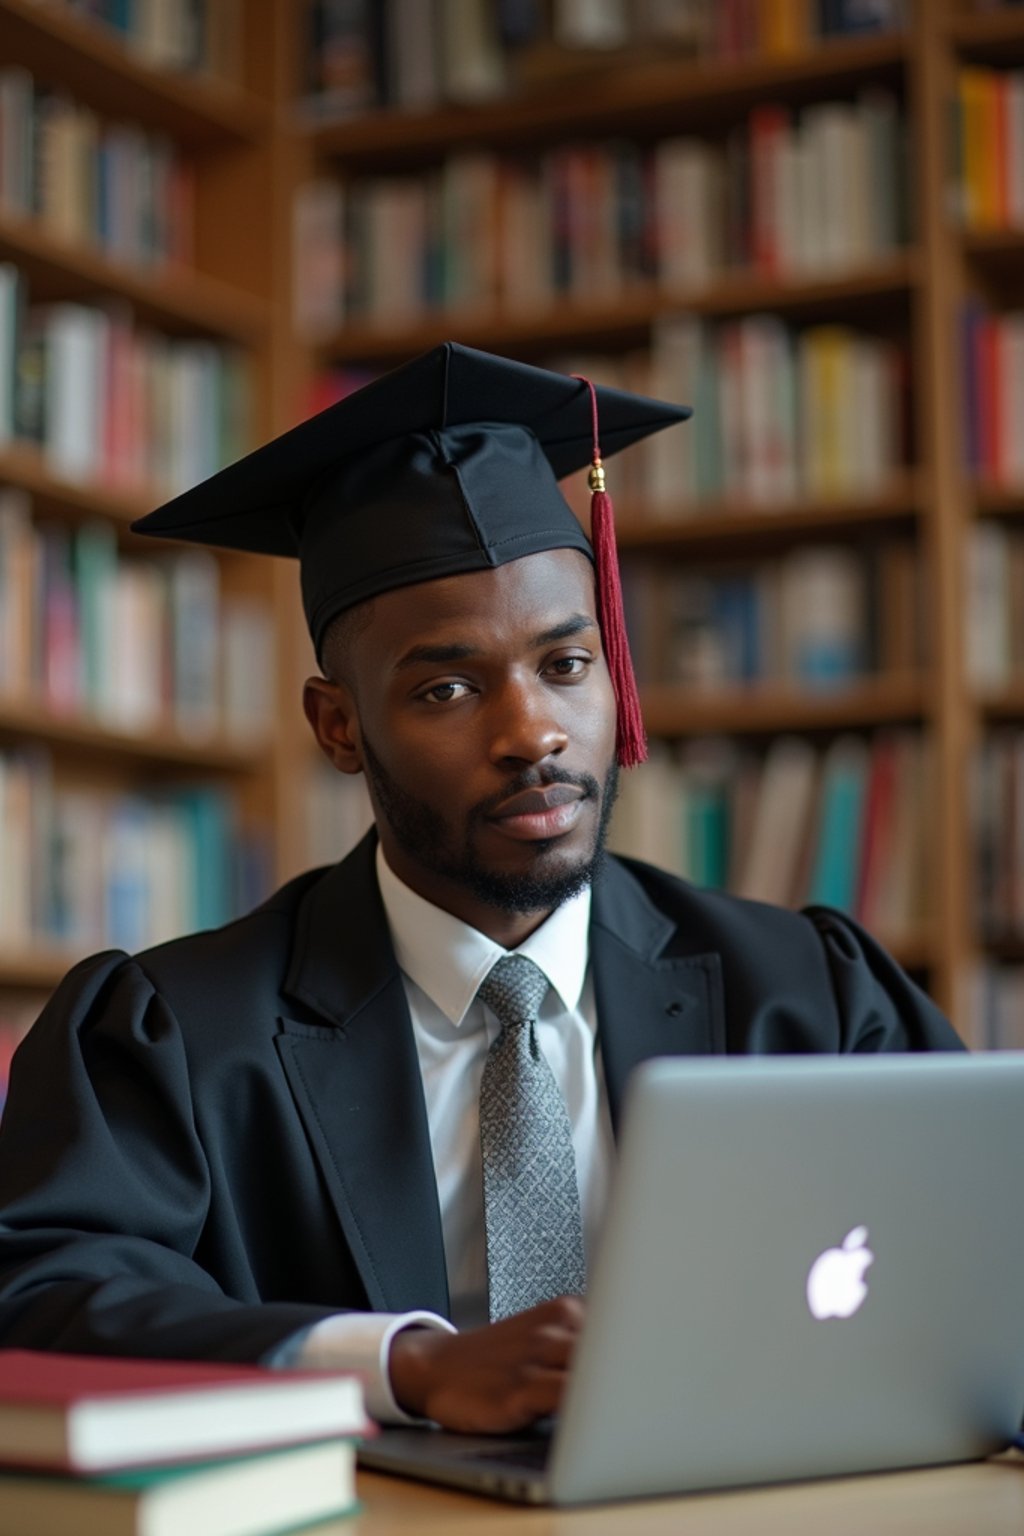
pixel 279 1490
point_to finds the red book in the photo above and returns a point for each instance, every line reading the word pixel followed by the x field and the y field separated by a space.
pixel 83 1413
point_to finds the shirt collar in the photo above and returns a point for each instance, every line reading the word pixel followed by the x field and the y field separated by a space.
pixel 449 960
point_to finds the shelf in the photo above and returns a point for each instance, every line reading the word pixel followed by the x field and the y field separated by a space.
pixel 173 297
pixel 719 527
pixel 994 500
pixel 24 465
pixel 1002 704
pixel 93 65
pixel 767 709
pixel 666 94
pixel 990 37
pixel 37 968
pixel 160 747
pixel 627 316
pixel 997 244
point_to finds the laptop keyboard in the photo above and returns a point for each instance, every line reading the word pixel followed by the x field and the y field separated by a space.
pixel 532 1455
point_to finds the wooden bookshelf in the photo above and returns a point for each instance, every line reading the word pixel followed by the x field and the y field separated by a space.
pixel 255 143
pixel 174 298
pixel 769 710
pixel 92 62
pixel 224 129
pixel 652 96
pixel 628 316
pixel 914 292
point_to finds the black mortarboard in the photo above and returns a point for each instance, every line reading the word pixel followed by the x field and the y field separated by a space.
pixel 448 464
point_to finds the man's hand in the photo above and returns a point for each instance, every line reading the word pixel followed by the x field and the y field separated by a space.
pixel 490 1380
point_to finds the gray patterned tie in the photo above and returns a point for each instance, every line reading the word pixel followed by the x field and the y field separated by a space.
pixel 531 1198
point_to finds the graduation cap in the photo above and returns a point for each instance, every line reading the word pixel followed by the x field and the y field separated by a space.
pixel 448 464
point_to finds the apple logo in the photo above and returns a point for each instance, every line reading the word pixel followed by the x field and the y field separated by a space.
pixel 835 1285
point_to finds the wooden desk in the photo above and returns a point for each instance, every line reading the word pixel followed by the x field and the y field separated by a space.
pixel 978 1500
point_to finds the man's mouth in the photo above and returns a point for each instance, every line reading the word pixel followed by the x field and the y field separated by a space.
pixel 536 814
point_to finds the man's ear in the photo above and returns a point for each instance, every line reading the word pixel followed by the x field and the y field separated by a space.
pixel 331 711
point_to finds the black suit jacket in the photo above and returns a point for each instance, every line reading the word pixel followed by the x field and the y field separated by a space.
pixel 222 1140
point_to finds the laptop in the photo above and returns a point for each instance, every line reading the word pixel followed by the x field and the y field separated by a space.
pixel 811 1266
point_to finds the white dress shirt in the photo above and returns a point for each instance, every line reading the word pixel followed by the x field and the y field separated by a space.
pixel 443 963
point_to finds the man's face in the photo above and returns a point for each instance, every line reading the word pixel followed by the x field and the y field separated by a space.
pixel 484 719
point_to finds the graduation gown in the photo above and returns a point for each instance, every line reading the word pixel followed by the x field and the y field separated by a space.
pixel 222 1140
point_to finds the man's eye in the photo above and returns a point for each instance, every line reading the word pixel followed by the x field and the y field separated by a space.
pixel 570 666
pixel 445 693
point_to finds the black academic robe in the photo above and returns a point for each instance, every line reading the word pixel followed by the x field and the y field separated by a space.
pixel 222 1140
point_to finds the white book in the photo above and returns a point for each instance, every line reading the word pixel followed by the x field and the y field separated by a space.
pixel 193 611
pixel 686 171
pixel 76 337
pixel 824 614
pixel 472 62
pixel 318 257
pixel 648 821
pixel 986 617
pixel 770 865
pixel 591 23
pixel 249 687
pixel 135 700
pixel 678 343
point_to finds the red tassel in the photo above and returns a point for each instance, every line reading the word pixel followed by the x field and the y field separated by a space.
pixel 630 736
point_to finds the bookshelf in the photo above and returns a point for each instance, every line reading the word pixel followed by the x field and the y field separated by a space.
pixel 254 144
pixel 72 764
pixel 913 294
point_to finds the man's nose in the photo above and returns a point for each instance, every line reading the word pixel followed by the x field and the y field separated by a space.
pixel 525 727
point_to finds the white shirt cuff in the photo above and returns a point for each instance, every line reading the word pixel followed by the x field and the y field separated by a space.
pixel 361 1342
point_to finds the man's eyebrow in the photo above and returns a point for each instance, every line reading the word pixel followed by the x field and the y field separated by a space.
pixel 565 631
pixel 438 654
pixel 442 655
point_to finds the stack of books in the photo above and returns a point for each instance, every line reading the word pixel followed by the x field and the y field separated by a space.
pixel 118 1447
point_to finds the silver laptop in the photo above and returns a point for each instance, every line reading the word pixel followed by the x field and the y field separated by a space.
pixel 811 1266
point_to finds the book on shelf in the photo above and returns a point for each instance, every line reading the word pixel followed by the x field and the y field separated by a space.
pixel 87 180
pixel 994 604
pixel 791 824
pixel 993 393
pixel 987 190
pixel 133 642
pixel 820 616
pixel 277 1491
pixel 92 1413
pixel 361 56
pixel 178 36
pixel 997 808
pixel 85 869
pixel 788 194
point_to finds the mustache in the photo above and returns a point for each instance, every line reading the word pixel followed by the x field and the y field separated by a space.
pixel 537 778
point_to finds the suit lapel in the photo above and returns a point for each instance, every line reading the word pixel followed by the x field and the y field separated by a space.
pixel 357 1085
pixel 648 1004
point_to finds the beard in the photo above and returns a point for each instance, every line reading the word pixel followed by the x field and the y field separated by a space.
pixel 425 836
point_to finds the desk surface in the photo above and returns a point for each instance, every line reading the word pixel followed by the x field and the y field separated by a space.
pixel 978 1500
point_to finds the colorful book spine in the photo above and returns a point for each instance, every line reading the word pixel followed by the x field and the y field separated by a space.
pixel 795 824
pixel 821 190
pixel 133 642
pixel 111 403
pixel 86 869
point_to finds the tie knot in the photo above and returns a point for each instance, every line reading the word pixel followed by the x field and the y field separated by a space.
pixel 514 990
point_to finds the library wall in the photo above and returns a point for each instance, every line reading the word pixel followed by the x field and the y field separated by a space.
pixel 803 217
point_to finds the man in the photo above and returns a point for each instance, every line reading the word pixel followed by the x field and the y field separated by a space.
pixel 385 1101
